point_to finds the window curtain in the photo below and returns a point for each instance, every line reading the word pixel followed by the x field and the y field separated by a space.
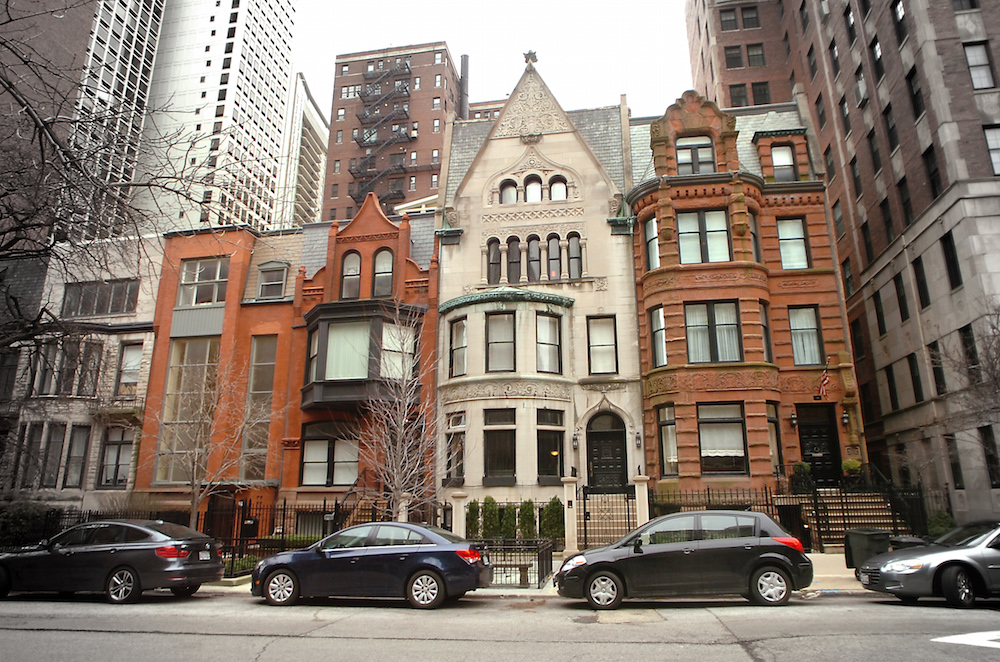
pixel 805 340
pixel 347 351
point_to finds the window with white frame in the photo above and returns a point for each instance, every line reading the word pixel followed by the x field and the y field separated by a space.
pixel 807 341
pixel 722 437
pixel 703 236
pixel 793 244
pixel 713 332
pixel 548 352
pixel 382 280
pixel 399 345
pixel 694 155
pixel 508 193
pixel 658 336
pixel 272 282
pixel 667 430
pixel 129 363
pixel 347 350
pixel 783 159
pixel 557 189
pixel 651 236
pixel 203 282
pixel 500 346
pixel 458 348
pixel 454 461
pixel 533 189
pixel 350 276
pixel 329 457
pixel 602 344
pixel 980 66
pixel 993 145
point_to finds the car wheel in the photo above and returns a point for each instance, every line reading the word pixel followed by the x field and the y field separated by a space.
pixel 122 586
pixel 185 591
pixel 770 586
pixel 425 590
pixel 4 582
pixel 604 590
pixel 956 584
pixel 281 588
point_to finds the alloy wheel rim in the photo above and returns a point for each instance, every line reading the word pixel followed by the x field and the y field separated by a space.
pixel 280 588
pixel 122 583
pixel 425 589
pixel 603 590
pixel 964 587
pixel 771 586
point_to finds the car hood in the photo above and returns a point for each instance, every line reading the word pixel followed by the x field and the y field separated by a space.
pixel 929 553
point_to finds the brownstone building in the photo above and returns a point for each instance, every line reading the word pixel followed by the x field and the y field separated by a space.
pixel 902 97
pixel 387 126
pixel 742 329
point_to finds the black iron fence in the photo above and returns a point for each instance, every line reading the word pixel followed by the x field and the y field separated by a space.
pixel 521 563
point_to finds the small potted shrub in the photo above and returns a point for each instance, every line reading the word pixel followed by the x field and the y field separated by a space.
pixel 801 481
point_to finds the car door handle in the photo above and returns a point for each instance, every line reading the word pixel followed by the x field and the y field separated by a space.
pixel 403 557
pixel 747 546
pixel 688 551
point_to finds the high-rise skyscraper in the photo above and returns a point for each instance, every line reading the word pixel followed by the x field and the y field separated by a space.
pixel 902 100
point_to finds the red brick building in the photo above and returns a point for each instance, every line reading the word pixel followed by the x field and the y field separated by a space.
pixel 744 359
pixel 270 346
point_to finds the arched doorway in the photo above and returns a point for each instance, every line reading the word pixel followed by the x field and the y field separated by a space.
pixel 606 458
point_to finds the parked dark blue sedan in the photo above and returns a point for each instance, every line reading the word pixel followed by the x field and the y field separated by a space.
pixel 423 564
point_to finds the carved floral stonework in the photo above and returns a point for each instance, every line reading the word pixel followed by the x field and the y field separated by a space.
pixel 531 112
pixel 532 215
pixel 725 380
pixel 367 237
pixel 533 161
pixel 503 389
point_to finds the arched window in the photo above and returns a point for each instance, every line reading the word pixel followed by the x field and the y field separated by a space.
pixel 575 256
pixel 557 189
pixel 493 261
pixel 382 282
pixel 534 260
pixel 508 193
pixel 694 155
pixel 513 260
pixel 350 276
pixel 533 189
pixel 555 257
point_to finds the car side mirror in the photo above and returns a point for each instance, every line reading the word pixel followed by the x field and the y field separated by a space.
pixel 637 544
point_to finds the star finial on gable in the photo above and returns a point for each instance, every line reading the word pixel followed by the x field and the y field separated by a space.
pixel 530 57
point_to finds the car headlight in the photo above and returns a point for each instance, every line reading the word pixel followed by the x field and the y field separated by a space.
pixel 573 562
pixel 903 567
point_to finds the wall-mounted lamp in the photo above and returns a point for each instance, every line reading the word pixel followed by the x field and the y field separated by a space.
pixel 576 441
pixel 845 418
pixel 794 420
pixel 638 439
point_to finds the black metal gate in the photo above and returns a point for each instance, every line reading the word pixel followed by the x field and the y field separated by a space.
pixel 604 517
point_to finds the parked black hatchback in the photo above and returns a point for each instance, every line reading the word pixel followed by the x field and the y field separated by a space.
pixel 121 558
pixel 713 552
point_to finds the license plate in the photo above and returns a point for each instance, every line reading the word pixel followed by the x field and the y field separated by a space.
pixel 204 555
pixel 865 579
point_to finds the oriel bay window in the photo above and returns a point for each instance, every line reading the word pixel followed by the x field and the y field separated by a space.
pixel 550 442
pixel 651 239
pixel 703 236
pixel 458 348
pixel 722 437
pixel 500 347
pixel 329 456
pixel 713 332
pixel 499 444
pixel 347 350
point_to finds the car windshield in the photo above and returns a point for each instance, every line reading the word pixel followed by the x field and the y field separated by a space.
pixel 968 535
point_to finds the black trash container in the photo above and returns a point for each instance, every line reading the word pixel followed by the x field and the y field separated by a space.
pixel 862 544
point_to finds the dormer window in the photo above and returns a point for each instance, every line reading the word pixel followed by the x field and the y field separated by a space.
pixel 783 159
pixel 350 276
pixel 694 155
pixel 508 193
pixel 271 283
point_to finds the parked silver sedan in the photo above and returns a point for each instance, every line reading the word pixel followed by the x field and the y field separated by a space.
pixel 960 566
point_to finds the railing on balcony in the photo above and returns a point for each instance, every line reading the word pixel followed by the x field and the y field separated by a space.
pixel 378 75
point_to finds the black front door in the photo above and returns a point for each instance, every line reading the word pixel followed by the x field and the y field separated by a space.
pixel 606 471
pixel 820 443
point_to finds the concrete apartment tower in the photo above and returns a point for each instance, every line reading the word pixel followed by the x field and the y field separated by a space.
pixel 903 100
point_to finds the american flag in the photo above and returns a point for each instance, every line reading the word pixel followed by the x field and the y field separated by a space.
pixel 824 381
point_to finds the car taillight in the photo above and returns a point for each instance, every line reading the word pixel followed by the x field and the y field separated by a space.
pixel 794 543
pixel 172 552
pixel 470 556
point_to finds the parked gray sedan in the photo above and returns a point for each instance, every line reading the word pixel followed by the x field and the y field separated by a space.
pixel 960 566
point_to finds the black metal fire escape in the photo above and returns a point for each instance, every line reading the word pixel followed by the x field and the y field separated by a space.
pixel 381 130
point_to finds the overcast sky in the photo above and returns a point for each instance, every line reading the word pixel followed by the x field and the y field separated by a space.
pixel 589 53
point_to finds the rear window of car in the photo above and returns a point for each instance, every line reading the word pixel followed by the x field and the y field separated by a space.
pixel 176 531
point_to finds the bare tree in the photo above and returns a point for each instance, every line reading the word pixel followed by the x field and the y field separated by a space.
pixel 397 436
pixel 213 434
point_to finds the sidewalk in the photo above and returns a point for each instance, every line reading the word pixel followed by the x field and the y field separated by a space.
pixel 831 576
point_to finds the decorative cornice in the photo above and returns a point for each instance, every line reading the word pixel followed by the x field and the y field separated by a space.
pixel 533 215
pixel 505 294
pixel 503 388
pixel 778 133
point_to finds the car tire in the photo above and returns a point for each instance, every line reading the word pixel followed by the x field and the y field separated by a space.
pixel 185 591
pixel 425 590
pixel 605 590
pixel 957 587
pixel 122 586
pixel 770 586
pixel 4 582
pixel 281 588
